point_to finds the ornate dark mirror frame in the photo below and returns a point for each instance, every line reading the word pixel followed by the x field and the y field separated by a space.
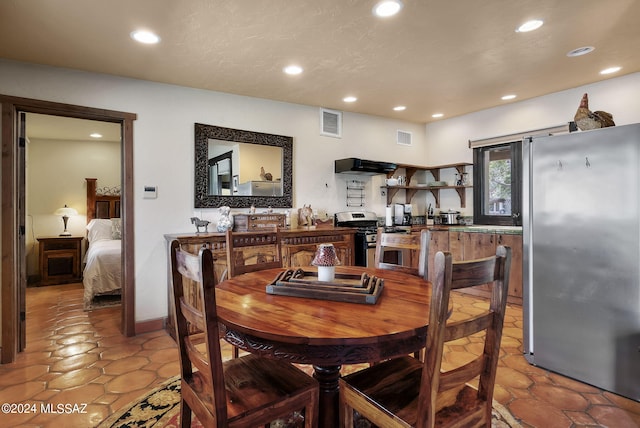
pixel 203 133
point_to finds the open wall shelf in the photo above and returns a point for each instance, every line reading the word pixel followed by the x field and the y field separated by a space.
pixel 410 191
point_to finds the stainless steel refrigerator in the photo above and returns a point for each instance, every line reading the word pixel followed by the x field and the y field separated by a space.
pixel 581 256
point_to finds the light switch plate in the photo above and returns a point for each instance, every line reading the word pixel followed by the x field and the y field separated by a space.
pixel 150 192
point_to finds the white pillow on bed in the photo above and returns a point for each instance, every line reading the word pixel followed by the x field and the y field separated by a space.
pixel 116 228
pixel 99 229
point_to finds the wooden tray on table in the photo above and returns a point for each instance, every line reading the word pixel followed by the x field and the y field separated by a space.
pixel 345 288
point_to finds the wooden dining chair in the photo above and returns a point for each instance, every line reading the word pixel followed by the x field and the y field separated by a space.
pixel 405 392
pixel 417 244
pixel 251 252
pixel 241 392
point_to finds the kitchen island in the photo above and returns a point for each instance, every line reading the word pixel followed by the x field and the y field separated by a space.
pixel 468 242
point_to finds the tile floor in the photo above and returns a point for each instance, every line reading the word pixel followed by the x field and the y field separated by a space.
pixel 75 357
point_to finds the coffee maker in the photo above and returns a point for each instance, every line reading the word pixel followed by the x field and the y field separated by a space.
pixel 402 215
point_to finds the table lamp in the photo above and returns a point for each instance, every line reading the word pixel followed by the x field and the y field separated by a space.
pixel 65 212
pixel 326 259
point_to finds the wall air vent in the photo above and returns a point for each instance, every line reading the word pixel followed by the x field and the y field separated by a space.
pixel 404 138
pixel 330 123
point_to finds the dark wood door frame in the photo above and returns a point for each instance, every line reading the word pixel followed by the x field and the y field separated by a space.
pixel 10 225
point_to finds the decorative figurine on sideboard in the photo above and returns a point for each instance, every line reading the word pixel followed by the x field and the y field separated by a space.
pixel 305 216
pixel 225 221
pixel 200 223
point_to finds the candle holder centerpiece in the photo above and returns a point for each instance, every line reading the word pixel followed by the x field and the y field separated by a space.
pixel 326 260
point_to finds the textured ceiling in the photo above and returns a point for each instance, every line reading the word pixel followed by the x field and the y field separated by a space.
pixel 452 57
pixel 42 126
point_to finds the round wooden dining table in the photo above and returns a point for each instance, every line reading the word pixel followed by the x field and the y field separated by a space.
pixel 325 333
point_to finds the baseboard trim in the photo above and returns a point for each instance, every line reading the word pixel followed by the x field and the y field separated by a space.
pixel 150 325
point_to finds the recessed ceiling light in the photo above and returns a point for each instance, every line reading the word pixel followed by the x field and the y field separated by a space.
pixel 146 37
pixel 581 51
pixel 387 8
pixel 400 108
pixel 610 70
pixel 349 99
pixel 293 69
pixel 95 135
pixel 437 115
pixel 508 97
pixel 534 24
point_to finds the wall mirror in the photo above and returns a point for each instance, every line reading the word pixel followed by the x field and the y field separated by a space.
pixel 241 168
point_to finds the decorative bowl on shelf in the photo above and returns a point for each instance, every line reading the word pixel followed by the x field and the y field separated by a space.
pixel 437 183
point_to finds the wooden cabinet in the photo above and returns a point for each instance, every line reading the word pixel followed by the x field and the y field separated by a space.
pixel 438 241
pixel 515 276
pixel 456 244
pixel 465 245
pixel 411 190
pixel 251 222
pixel 60 259
pixel 478 245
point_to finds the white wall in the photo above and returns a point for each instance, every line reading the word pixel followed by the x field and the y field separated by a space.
pixel 448 140
pixel 163 151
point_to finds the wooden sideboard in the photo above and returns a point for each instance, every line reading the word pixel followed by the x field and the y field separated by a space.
pixel 298 246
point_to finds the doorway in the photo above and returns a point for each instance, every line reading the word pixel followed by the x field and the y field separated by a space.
pixel 60 154
pixel 13 219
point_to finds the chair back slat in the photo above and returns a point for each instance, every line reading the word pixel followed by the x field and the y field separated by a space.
pixel 188 265
pixel 473 273
pixel 196 356
pixel 253 251
pixel 460 329
pixel 460 375
pixel 192 315
pixel 417 245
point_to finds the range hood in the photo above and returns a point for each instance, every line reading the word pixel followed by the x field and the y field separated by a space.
pixel 363 167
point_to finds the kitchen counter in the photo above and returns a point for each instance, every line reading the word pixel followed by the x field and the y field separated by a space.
pixel 474 228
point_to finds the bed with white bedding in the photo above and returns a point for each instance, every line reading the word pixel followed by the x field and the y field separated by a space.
pixel 102 274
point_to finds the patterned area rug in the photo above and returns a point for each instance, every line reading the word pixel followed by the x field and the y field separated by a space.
pixel 100 302
pixel 161 408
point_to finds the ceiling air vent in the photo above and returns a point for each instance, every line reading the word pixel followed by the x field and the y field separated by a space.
pixel 330 123
pixel 404 138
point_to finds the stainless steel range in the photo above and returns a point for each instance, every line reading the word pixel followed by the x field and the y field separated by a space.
pixel 366 223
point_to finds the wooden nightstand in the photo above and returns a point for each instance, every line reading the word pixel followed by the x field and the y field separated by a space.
pixel 60 259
